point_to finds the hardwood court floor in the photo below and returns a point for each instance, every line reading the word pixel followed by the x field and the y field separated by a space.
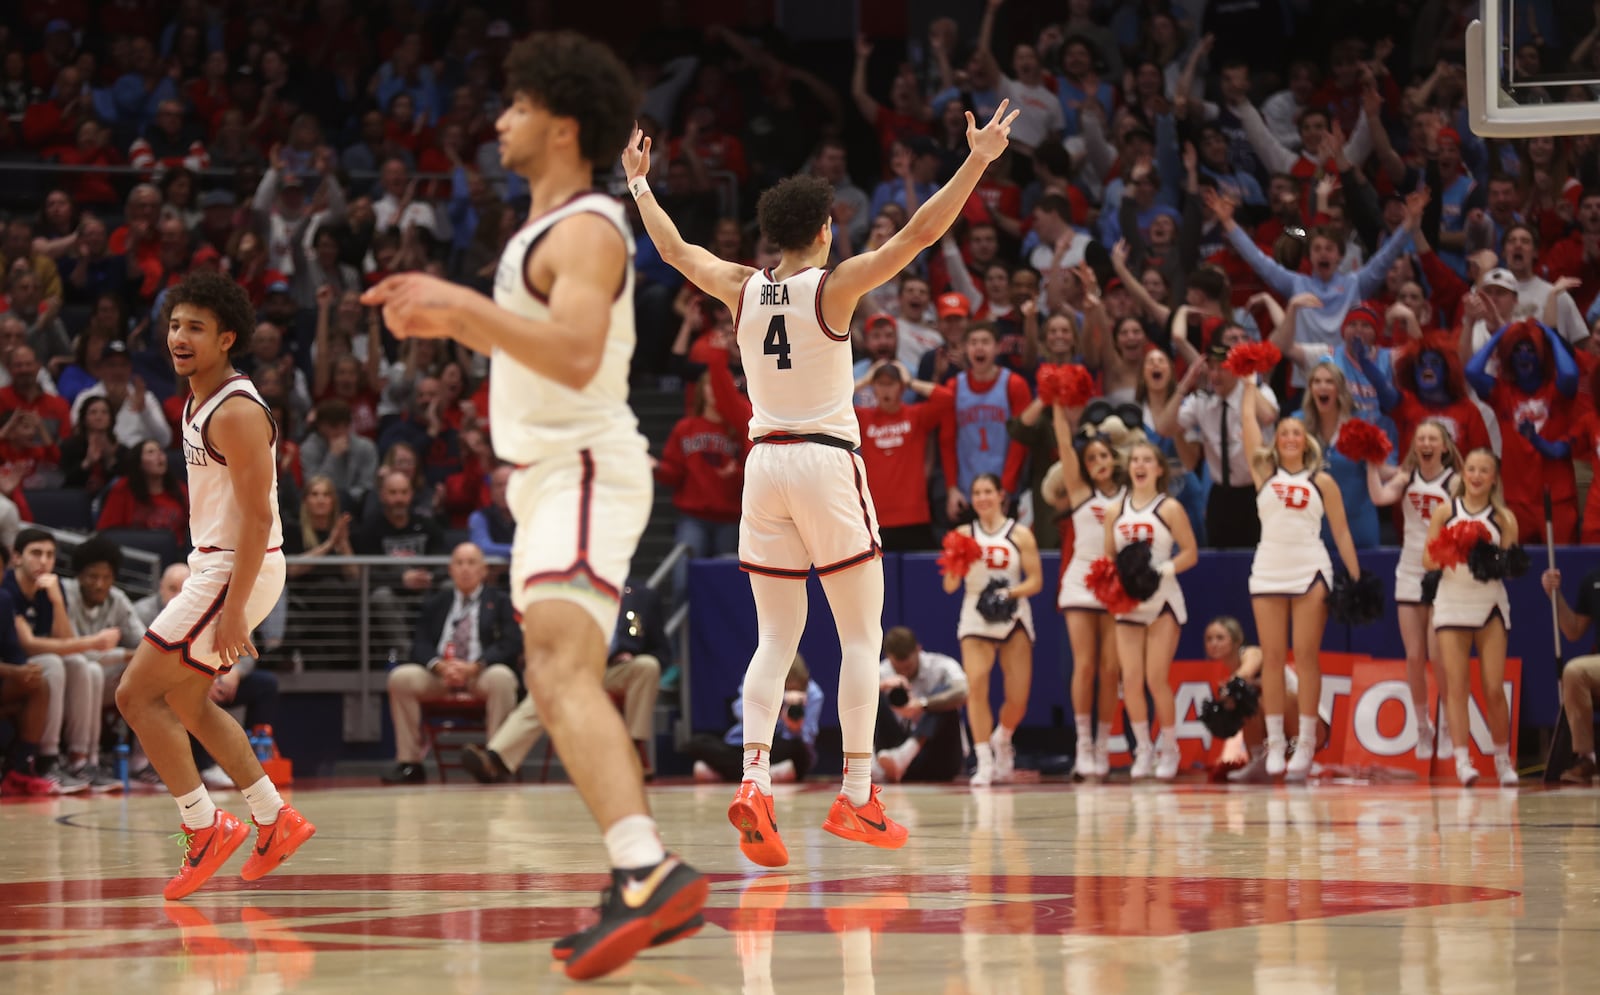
pixel 1045 888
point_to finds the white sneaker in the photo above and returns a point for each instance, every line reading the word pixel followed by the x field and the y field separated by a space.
pixel 985 773
pixel 1144 763
pixel 1276 764
pixel 1167 761
pixel 783 773
pixel 1253 772
pixel 216 778
pixel 1005 756
pixel 703 773
pixel 1466 773
pixel 1102 758
pixel 1424 740
pixel 1299 764
pixel 1506 771
pixel 1084 766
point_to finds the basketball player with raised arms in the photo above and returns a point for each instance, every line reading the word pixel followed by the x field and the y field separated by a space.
pixel 806 502
pixel 236 574
pixel 560 335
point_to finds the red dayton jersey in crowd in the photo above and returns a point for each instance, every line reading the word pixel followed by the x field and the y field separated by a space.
pixel 701 463
pixel 894 448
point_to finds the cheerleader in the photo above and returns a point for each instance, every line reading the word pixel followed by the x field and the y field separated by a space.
pixel 1292 573
pixel 1421 483
pixel 1011 555
pixel 1147 637
pixel 1467 611
pixel 1089 486
pixel 1224 642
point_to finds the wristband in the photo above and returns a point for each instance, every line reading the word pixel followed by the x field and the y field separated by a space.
pixel 638 187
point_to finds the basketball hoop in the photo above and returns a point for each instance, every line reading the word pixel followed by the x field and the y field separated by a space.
pixel 1493 111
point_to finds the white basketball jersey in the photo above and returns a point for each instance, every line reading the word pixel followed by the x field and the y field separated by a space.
pixel 1421 498
pixel 798 369
pixel 1001 558
pixel 213 508
pixel 1290 508
pixel 1089 524
pixel 534 417
pixel 1144 525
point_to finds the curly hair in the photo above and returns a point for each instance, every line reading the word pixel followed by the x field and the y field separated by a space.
pixel 574 77
pixel 222 297
pixel 792 211
pixel 97 549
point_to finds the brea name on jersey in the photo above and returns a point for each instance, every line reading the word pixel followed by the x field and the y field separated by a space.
pixel 774 295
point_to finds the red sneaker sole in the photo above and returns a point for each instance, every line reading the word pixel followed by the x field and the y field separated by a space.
pixel 255 870
pixel 768 852
pixel 624 944
pixel 659 940
pixel 177 889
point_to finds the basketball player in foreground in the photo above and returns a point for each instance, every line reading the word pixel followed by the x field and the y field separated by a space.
pixel 805 494
pixel 235 577
pixel 560 333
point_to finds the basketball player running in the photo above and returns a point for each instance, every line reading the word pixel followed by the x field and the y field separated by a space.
pixel 236 574
pixel 561 335
pixel 805 497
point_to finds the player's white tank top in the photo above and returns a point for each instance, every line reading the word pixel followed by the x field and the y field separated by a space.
pixel 213 508
pixel 1089 524
pixel 1290 508
pixel 1144 525
pixel 534 417
pixel 1001 558
pixel 798 370
pixel 1418 502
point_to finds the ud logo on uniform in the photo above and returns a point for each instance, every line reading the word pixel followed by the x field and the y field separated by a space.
pixel 1293 496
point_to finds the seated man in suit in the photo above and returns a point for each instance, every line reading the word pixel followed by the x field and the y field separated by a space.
pixel 639 647
pixel 469 640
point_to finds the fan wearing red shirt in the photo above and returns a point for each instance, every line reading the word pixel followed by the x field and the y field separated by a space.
pixel 908 114
pixel 703 463
pixel 972 434
pixel 1533 400
pixel 894 444
pixel 1578 255
pixel 1429 383
pixel 715 149
pixel 33 421
pixel 148 497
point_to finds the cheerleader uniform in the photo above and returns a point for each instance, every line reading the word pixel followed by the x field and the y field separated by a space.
pixel 1145 525
pixel 1001 558
pixel 1464 602
pixel 1088 545
pixel 1418 502
pixel 1290 558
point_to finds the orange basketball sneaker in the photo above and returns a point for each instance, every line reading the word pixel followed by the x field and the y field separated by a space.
pixel 751 814
pixel 204 851
pixel 276 842
pixel 868 824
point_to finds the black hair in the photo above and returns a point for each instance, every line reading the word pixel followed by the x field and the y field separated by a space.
pixel 222 297
pixel 97 549
pixel 1209 281
pixel 793 210
pixel 576 77
pixel 27 537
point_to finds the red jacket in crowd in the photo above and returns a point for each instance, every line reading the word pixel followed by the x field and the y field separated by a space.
pixel 702 463
pixel 894 448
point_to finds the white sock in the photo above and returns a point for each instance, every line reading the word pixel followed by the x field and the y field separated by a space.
pixel 632 842
pixel 1463 755
pixel 1104 733
pixel 264 801
pixel 1002 735
pixel 1141 734
pixel 858 780
pixel 197 809
pixel 1275 731
pixel 1308 731
pixel 758 769
pixel 1167 741
pixel 1502 750
pixel 1085 728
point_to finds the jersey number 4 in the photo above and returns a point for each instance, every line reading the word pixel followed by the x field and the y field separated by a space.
pixel 777 343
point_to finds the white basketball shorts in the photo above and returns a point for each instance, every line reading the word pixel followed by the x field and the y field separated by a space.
pixel 805 504
pixel 188 624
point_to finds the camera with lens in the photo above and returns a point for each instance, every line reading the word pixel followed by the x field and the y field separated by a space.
pixel 795 712
pixel 899 697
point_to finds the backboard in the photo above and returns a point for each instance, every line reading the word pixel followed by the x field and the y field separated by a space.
pixel 1503 103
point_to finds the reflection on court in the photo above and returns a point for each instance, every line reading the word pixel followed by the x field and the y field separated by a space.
pixel 1050 888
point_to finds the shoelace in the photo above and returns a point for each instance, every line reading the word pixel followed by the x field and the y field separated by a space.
pixel 183 839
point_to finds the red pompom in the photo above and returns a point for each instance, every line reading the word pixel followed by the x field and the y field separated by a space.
pixel 960 552
pixel 1066 384
pixel 1451 546
pixel 1106 586
pixel 1248 358
pixel 1363 442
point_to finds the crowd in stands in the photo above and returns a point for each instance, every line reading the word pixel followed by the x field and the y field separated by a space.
pixel 1184 177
